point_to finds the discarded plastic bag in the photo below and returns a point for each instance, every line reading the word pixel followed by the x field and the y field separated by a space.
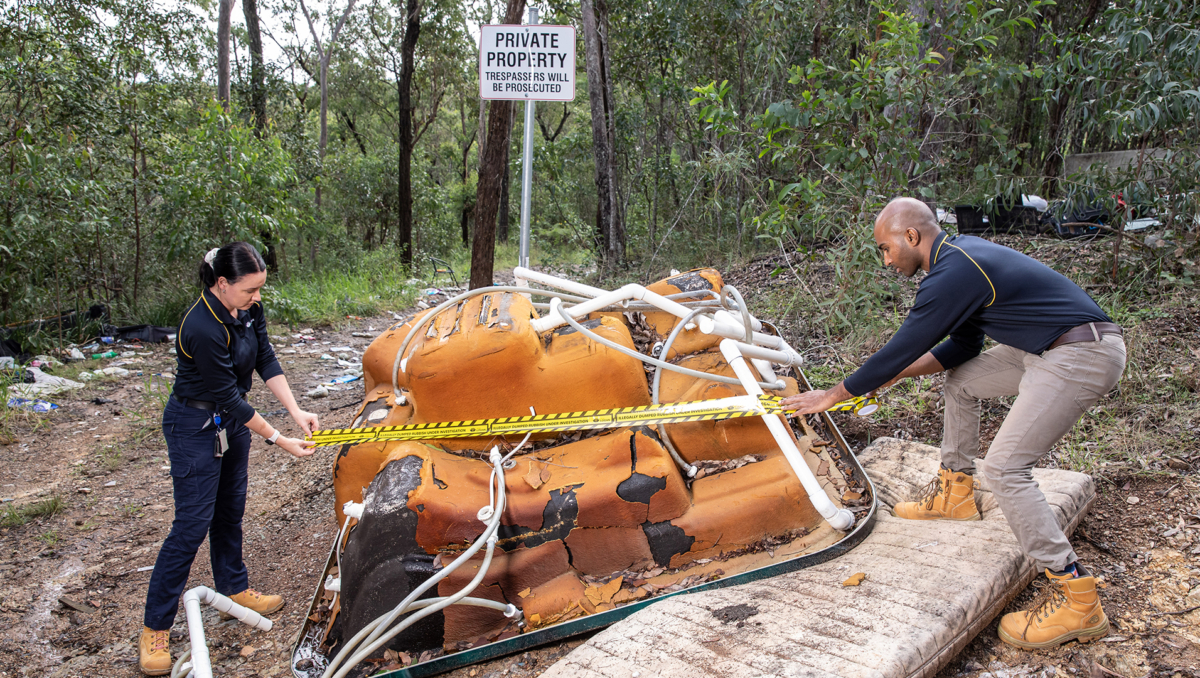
pixel 43 385
pixel 35 405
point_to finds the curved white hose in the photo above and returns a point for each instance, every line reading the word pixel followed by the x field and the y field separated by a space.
pixel 654 361
pixel 687 468
pixel 373 634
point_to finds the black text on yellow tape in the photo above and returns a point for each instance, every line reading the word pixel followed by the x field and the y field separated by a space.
pixel 644 415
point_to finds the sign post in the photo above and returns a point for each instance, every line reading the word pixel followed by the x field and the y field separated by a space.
pixel 527 63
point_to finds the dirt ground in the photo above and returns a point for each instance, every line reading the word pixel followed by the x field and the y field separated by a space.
pixel 73 580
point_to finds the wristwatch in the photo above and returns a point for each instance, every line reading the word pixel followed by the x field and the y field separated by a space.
pixel 272 439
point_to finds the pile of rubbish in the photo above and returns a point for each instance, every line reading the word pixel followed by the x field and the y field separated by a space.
pixel 451 544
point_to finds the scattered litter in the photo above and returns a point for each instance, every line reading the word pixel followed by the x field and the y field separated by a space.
pixel 1142 224
pixel 102 401
pixel 44 385
pixel 36 405
pixel 76 354
pixel 114 371
pixel 77 605
pixel 318 392
pixel 430 291
pixel 111 483
pixel 106 340
pixel 326 356
pixel 855 579
pixel 146 568
pixel 84 490
pixel 345 379
pixel 366 335
pixel 128 354
pixel 345 363
pixel 342 349
pixel 7 362
pixel 1132 500
pixel 247 651
pixel 921 546
pixel 106 354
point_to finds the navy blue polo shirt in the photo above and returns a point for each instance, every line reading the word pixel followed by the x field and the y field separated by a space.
pixel 218 354
pixel 975 288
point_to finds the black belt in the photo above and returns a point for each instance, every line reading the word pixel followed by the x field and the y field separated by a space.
pixel 199 404
pixel 1088 332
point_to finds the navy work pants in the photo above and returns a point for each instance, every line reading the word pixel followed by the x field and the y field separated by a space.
pixel 210 498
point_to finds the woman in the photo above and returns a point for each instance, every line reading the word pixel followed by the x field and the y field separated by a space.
pixel 222 340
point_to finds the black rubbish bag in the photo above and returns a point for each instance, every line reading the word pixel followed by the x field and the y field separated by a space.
pixel 144 333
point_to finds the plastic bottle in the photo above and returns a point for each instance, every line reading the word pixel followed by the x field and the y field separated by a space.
pixel 106 354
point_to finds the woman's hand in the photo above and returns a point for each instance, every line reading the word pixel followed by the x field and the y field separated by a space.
pixel 307 421
pixel 295 446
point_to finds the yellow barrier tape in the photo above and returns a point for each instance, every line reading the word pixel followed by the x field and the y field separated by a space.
pixel 642 415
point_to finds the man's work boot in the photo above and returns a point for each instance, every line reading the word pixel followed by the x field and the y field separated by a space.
pixel 154 652
pixel 262 604
pixel 1067 609
pixel 950 496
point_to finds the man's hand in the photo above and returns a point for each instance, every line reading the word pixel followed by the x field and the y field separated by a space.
pixel 811 402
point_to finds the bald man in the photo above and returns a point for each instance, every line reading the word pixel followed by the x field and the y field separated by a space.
pixel 1057 352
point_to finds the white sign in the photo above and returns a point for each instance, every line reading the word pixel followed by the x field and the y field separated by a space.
pixel 527 62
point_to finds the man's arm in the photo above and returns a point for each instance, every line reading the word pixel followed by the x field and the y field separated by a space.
pixel 926 364
pixel 811 402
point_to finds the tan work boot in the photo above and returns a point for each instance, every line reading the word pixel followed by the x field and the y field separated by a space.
pixel 950 496
pixel 260 603
pixel 154 652
pixel 1067 609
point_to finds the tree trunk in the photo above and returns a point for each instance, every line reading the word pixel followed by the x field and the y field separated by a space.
pixel 258 73
pixel 491 173
pixel 504 217
pixel 412 31
pixel 224 16
pixel 258 104
pixel 325 52
pixel 1057 114
pixel 608 212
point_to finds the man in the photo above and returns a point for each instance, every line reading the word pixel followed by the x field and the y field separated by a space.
pixel 1057 352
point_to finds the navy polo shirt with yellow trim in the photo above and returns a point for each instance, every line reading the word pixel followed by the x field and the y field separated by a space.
pixel 975 288
pixel 218 354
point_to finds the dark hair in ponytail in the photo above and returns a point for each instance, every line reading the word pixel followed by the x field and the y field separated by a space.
pixel 231 262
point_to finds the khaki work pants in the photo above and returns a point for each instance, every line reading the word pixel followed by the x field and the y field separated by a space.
pixel 1053 391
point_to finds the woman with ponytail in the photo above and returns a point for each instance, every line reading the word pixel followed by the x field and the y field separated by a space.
pixel 222 341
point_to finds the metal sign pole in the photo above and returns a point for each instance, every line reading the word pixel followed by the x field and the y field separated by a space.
pixel 527 169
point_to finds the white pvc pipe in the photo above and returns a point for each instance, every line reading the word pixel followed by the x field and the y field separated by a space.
pixel 628 292
pixel 765 370
pixel 734 331
pixel 838 519
pixel 732 319
pixel 783 356
pixel 524 274
pixel 201 664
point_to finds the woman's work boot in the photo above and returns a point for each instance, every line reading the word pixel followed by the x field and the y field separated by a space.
pixel 1067 609
pixel 154 652
pixel 950 496
pixel 260 603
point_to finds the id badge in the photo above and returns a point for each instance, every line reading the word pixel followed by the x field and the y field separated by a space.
pixel 221 445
